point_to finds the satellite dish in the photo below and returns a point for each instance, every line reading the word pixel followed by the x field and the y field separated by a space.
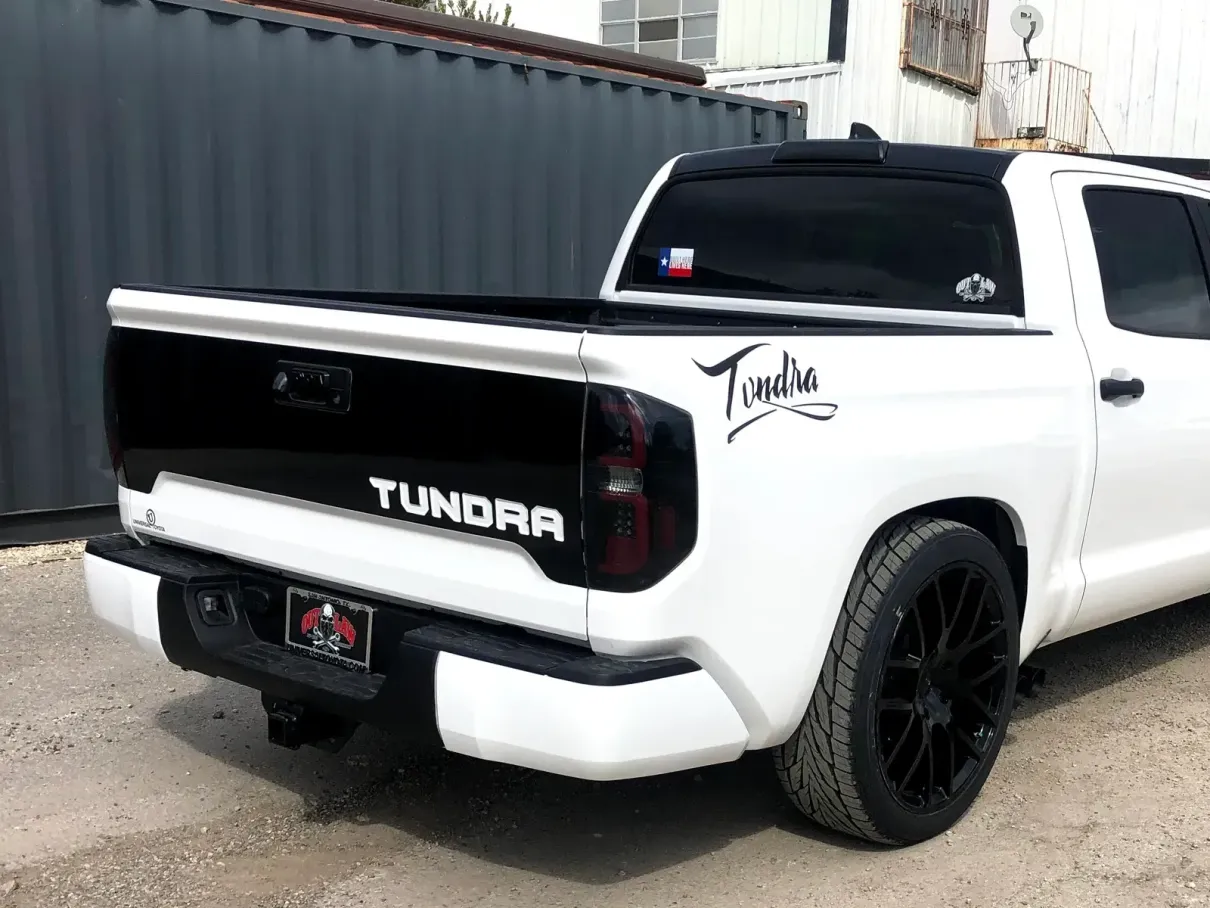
pixel 1027 25
pixel 1027 22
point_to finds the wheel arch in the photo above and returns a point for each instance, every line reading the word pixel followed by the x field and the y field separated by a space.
pixel 996 520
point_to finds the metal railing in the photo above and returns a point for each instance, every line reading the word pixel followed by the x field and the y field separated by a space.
pixel 1050 107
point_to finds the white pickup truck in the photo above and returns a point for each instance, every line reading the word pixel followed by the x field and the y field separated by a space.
pixel 853 428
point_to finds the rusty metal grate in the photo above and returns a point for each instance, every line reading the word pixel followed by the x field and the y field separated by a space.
pixel 945 39
pixel 1048 107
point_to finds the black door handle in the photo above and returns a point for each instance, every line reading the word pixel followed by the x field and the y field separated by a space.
pixel 1113 388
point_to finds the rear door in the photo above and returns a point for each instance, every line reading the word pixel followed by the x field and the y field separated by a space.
pixel 426 459
pixel 1138 255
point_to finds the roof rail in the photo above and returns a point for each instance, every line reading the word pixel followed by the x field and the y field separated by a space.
pixel 1197 168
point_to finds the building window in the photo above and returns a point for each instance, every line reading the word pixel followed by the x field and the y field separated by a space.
pixel 945 39
pixel 685 30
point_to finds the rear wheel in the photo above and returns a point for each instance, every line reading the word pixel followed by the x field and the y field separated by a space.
pixel 915 693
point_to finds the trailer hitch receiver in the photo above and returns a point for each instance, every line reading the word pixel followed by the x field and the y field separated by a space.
pixel 291 725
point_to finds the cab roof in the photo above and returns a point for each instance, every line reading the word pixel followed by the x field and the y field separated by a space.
pixel 980 162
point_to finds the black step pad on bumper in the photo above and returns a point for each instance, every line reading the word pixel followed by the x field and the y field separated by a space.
pixel 397 693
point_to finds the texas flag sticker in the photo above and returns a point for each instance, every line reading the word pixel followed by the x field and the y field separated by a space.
pixel 676 263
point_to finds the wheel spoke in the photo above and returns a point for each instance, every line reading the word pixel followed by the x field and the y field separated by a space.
pixel 970 697
pixel 928 796
pixel 949 736
pixel 1001 665
pixel 924 645
pixel 907 729
pixel 915 761
pixel 953 621
pixel 978 614
pixel 971 744
pixel 967 648
pixel 943 627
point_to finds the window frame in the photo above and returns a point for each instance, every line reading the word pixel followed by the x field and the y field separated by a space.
pixel 1012 248
pixel 1200 222
pixel 680 18
pixel 1201 216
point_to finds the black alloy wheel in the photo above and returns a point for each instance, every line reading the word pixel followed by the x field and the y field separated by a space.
pixel 944 688
pixel 914 696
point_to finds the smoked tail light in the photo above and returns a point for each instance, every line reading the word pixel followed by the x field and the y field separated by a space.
pixel 640 489
pixel 110 385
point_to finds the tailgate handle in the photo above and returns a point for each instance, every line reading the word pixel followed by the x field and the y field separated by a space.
pixel 313 386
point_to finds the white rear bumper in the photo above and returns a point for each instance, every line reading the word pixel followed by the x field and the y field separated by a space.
pixel 506 714
pixel 125 600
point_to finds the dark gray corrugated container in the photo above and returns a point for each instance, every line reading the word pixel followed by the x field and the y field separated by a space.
pixel 201 142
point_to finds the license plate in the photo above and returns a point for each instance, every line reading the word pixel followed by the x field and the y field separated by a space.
pixel 329 629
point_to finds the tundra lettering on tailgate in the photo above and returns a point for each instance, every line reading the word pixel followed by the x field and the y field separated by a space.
pixel 472 510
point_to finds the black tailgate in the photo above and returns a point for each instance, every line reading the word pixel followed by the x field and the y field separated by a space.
pixel 218 409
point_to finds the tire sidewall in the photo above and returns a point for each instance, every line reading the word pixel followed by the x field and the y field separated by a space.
pixel 889 817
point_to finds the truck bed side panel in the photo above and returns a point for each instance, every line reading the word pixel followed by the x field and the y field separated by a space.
pixel 806 444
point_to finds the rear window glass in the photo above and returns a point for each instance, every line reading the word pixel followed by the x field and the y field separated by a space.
pixel 866 240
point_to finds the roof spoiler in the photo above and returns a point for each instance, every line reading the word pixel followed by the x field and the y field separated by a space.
pixel 863 146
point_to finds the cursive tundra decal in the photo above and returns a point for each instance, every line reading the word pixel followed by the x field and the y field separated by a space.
pixel 763 393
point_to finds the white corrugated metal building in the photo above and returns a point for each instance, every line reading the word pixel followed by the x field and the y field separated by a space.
pixel 1123 76
pixel 933 99
pixel 840 56
pixel 1129 76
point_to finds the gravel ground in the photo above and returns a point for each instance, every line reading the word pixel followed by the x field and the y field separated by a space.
pixel 23 556
pixel 126 783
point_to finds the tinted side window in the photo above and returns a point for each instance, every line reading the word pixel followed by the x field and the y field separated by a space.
pixel 906 242
pixel 1152 271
